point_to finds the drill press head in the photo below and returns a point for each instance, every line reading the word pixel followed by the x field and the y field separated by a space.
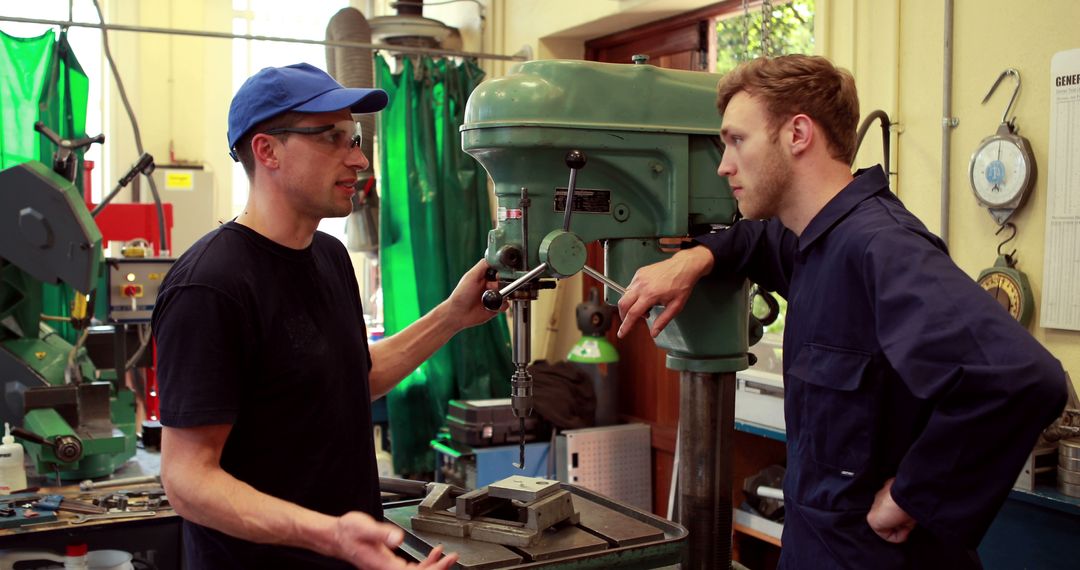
pixel 639 146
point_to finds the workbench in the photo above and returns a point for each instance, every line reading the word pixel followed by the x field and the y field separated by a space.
pixel 156 539
pixel 1037 530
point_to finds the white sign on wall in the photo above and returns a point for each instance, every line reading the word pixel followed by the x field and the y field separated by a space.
pixel 1061 273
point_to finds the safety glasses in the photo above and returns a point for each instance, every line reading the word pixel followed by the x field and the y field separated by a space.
pixel 343 135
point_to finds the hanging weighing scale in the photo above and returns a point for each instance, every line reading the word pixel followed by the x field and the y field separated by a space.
pixel 1008 285
pixel 1002 170
pixel 1002 173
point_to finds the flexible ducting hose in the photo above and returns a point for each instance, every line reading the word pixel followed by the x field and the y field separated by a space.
pixel 353 67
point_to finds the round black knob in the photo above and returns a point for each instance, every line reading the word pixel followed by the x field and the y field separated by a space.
pixel 510 256
pixel 492 300
pixel 576 159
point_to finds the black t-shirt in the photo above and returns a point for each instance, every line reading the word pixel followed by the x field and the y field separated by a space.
pixel 271 340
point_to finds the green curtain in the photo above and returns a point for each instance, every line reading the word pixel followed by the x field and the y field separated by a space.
pixel 42 80
pixel 434 221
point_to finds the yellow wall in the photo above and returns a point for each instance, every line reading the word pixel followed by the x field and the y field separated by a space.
pixel 895 50
pixel 179 88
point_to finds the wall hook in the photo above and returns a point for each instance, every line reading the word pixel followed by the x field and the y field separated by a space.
pixel 1015 73
pixel 1008 256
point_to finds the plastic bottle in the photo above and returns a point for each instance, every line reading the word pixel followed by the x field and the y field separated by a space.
pixel 12 473
pixel 75 557
pixel 383 458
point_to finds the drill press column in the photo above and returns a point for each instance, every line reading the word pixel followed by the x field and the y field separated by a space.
pixel 706 432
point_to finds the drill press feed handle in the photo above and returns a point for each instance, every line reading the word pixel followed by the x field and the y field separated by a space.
pixel 576 160
pixel 493 300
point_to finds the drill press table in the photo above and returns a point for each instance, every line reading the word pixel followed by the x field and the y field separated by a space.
pixel 609 535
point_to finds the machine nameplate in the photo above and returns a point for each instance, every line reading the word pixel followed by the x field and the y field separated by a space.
pixel 586 200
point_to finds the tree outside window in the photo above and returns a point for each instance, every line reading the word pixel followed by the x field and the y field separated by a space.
pixel 738 34
pixel 739 38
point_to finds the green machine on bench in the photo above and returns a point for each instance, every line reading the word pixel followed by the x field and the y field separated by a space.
pixel 73 423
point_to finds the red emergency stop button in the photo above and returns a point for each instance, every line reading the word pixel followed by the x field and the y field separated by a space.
pixel 132 290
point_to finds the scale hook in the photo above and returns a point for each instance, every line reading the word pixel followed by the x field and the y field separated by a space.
pixel 1008 256
pixel 1015 73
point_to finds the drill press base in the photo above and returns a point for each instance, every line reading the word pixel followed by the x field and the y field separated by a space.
pixel 607 535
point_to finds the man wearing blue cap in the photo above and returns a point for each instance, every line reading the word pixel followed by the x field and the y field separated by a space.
pixel 265 373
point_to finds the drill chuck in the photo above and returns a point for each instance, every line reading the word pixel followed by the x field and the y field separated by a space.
pixel 522 405
pixel 521 394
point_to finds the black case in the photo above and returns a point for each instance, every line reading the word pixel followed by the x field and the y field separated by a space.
pixel 482 423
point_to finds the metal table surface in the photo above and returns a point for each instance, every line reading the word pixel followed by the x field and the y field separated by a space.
pixel 610 535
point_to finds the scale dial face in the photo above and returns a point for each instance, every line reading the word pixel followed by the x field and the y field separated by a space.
pixel 1007 292
pixel 1001 171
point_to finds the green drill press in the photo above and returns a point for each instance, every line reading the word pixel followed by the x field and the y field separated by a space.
pixel 641 145
pixel 73 424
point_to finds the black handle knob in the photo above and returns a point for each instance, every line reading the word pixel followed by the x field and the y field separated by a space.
pixel 49 133
pixel 492 300
pixel 30 436
pixel 576 159
pixel 66 143
pixel 145 165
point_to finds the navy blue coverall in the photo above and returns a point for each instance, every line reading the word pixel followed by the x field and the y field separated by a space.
pixel 896 363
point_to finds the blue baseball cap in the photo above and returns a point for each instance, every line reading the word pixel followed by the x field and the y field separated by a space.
pixel 300 87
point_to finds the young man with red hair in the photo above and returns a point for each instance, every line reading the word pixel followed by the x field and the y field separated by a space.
pixel 912 399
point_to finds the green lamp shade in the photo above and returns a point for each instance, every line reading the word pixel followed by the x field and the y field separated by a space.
pixel 593 350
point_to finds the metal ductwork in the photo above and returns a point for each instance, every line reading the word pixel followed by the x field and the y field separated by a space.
pixel 353 67
pixel 410 28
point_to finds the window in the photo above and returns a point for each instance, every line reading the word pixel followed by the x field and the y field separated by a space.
pixel 790 27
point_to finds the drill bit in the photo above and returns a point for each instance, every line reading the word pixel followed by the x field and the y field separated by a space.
pixel 521 444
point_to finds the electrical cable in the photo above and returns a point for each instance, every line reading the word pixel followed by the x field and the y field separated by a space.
pixel 224 35
pixel 144 341
pixel 134 126
pixel 72 373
